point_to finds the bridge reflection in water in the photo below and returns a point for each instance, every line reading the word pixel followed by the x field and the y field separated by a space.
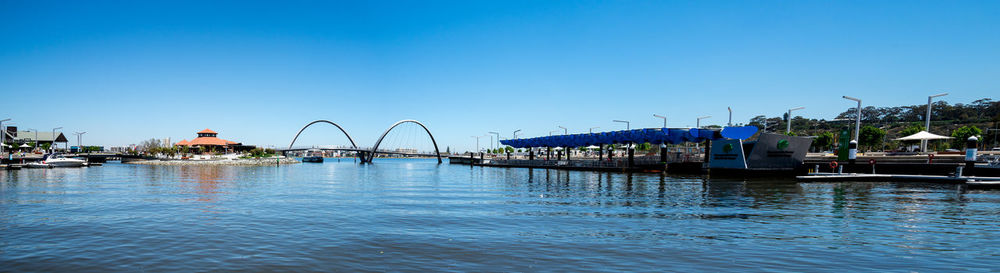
pixel 366 154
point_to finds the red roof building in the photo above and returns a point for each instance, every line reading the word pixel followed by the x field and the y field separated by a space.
pixel 208 138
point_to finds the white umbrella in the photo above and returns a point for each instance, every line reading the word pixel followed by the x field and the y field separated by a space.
pixel 25 145
pixel 593 147
pixel 923 135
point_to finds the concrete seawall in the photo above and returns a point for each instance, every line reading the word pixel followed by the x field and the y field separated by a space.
pixel 237 162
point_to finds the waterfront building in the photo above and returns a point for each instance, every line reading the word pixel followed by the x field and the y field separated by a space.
pixel 209 140
pixel 20 137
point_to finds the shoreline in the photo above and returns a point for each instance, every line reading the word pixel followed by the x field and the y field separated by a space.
pixel 221 162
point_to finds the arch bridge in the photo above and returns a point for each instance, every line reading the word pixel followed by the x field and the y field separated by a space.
pixel 367 155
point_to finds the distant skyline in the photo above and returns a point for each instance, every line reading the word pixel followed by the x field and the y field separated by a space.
pixel 256 72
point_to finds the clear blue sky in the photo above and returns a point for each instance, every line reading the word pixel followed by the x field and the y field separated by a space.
pixel 256 72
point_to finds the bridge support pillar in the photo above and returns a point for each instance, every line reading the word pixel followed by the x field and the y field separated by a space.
pixel 600 152
pixel 568 152
pixel 531 153
pixel 548 153
pixel 365 157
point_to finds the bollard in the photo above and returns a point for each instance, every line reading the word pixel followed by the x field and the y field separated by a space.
pixel 971 147
pixel 840 169
pixel 852 153
pixel 631 157
pixel 663 153
pixel 817 168
pixel 958 171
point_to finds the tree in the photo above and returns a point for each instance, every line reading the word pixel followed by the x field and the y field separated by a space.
pixel 871 137
pixel 509 149
pixel 912 129
pixel 823 141
pixel 645 146
pixel 758 121
pixel 963 134
pixel 149 145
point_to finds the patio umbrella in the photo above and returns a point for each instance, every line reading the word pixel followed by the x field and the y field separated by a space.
pixel 25 146
pixel 923 135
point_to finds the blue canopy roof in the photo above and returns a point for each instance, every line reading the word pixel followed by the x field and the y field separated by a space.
pixel 651 135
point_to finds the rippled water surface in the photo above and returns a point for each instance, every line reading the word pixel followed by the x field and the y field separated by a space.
pixel 410 215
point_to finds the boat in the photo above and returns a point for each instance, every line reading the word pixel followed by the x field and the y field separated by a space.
pixel 775 153
pixel 311 157
pixel 58 160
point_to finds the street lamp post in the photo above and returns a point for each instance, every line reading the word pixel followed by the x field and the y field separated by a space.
pixel 788 127
pixel 697 123
pixel 592 129
pixel 477 142
pixel 498 139
pixel 550 132
pixel 79 140
pixel 730 116
pixel 857 122
pixel 664 119
pixel 565 131
pixel 927 124
pixel 627 125
pixel 515 133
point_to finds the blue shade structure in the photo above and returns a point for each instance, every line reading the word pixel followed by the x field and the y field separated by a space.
pixel 651 135
pixel 742 132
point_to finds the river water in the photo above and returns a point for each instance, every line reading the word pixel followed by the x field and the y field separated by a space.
pixel 416 215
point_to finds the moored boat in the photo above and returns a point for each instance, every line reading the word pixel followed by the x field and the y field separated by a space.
pixel 313 157
pixel 58 160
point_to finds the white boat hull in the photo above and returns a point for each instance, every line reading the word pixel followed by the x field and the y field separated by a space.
pixel 37 165
pixel 65 163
